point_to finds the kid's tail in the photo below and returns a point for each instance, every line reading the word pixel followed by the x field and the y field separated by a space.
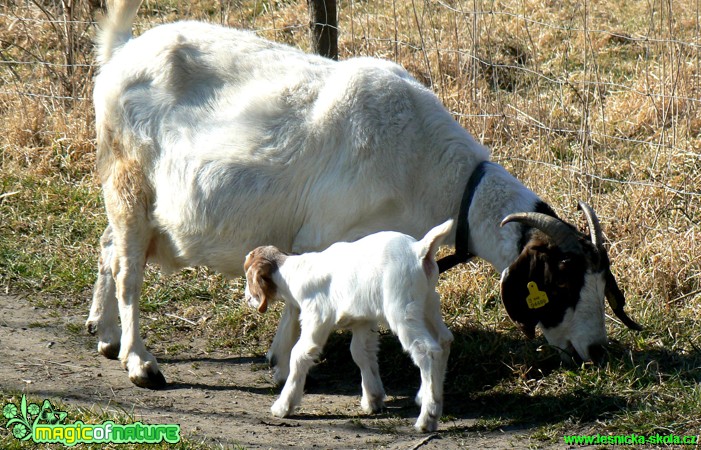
pixel 428 246
pixel 115 29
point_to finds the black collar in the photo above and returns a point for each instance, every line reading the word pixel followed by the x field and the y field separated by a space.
pixel 462 234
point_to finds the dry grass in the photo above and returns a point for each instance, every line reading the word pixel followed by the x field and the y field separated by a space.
pixel 581 100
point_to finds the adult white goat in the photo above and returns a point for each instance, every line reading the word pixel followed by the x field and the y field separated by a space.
pixel 213 141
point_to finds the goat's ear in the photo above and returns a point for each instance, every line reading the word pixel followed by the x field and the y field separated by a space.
pixel 428 246
pixel 260 281
pixel 516 287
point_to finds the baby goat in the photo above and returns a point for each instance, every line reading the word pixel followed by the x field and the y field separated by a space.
pixel 387 278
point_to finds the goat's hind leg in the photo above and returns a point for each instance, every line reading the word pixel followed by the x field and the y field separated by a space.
pixel 427 354
pixel 128 270
pixel 442 334
pixel 127 199
pixel 364 347
pixel 104 311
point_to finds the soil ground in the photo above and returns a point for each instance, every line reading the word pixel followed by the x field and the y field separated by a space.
pixel 218 399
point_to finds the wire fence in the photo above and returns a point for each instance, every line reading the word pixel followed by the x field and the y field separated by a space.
pixel 569 86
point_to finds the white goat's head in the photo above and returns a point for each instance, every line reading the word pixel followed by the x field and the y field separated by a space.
pixel 559 282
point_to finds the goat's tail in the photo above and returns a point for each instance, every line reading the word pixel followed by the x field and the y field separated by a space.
pixel 115 29
pixel 428 246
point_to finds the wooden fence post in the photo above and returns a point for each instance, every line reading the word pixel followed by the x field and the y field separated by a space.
pixel 323 27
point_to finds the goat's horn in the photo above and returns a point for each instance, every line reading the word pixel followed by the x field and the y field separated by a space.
pixel 594 226
pixel 617 301
pixel 627 321
pixel 561 233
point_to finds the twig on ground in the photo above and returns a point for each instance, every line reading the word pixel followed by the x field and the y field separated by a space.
pixel 181 318
pixel 425 441
pixel 8 194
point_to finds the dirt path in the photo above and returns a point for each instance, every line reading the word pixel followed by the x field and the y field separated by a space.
pixel 216 398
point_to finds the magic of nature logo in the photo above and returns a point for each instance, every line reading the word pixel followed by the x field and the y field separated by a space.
pixel 45 424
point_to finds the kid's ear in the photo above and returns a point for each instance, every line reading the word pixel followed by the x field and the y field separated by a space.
pixel 516 286
pixel 263 305
pixel 259 271
pixel 262 285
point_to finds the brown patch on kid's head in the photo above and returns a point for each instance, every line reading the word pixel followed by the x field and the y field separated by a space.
pixel 260 266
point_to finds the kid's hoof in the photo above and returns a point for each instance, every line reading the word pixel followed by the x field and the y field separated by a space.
pixel 143 370
pixel 426 426
pixel 281 409
pixel 279 377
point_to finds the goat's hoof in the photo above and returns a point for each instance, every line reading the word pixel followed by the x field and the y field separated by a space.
pixel 281 409
pixel 108 344
pixel 426 425
pixel 150 381
pixel 279 371
pixel 109 350
pixel 92 327
pixel 279 377
pixel 372 406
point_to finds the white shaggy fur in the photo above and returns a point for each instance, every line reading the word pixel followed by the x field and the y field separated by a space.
pixel 387 278
pixel 212 141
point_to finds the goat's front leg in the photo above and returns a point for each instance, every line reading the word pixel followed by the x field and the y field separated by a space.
pixel 302 358
pixel 104 310
pixel 364 347
pixel 285 337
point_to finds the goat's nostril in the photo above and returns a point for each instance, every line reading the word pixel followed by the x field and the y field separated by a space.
pixel 597 353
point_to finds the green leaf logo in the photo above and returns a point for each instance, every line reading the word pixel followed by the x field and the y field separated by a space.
pixel 22 418
pixel 49 415
pixel 9 411
pixel 33 409
pixel 20 431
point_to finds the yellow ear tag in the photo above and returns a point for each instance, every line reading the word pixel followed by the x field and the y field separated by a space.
pixel 536 298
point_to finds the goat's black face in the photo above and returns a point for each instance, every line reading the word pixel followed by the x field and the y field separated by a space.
pixel 545 271
pixel 559 282
pixel 570 311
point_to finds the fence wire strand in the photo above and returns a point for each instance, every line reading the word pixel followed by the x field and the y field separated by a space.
pixel 443 42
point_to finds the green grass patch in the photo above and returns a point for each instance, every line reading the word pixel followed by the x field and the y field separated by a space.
pixel 49 234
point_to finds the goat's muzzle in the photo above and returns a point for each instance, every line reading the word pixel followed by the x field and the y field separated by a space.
pixel 597 353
